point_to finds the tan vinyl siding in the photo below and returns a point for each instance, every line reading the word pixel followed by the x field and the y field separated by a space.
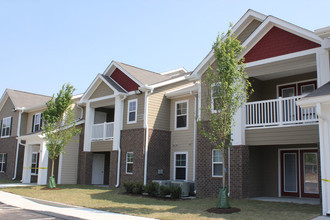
pixel 159 106
pixel 70 162
pixel 140 112
pixel 183 140
pixel 76 112
pixel 24 123
pixel 205 95
pixel 283 135
pixel 102 90
pixel 29 120
pixel 7 111
pixel 248 30
pixel 102 146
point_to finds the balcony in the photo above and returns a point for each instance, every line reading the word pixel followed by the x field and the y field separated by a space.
pixel 102 131
pixel 278 112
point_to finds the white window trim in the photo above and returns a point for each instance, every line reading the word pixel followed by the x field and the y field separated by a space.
pixel 129 101
pixel 2 162
pixel 296 85
pixel 5 136
pixel 34 123
pixel 212 103
pixel 174 167
pixel 187 115
pixel 37 165
pixel 213 163
pixel 129 162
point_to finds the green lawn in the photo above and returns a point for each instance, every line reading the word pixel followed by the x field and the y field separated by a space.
pixel 113 200
pixel 9 181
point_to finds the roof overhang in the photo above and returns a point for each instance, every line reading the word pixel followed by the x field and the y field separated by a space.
pixel 186 91
pixel 4 98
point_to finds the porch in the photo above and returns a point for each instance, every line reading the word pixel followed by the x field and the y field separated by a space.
pixel 278 112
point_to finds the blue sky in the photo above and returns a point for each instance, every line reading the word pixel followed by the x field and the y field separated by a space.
pixel 46 43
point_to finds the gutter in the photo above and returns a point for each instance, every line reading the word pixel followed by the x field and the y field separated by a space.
pixel 119 149
pixel 18 142
pixel 148 90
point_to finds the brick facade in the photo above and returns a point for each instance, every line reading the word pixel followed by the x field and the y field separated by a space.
pixel 113 168
pixel 159 155
pixel 8 146
pixel 85 161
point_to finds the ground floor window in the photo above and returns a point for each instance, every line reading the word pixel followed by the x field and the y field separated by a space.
pixel 217 163
pixel 180 170
pixel 3 159
pixel 35 163
pixel 129 162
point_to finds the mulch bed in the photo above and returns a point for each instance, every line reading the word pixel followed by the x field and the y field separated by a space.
pixel 223 211
pixel 46 188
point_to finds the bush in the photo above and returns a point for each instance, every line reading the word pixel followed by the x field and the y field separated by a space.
pixel 138 188
pixel 164 190
pixel 151 189
pixel 129 187
pixel 175 192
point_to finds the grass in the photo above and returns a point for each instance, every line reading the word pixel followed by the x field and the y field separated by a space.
pixel 5 181
pixel 109 199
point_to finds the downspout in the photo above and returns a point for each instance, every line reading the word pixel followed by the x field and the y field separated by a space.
pixel 228 172
pixel 195 136
pixel 119 149
pixel 18 140
pixel 81 111
pixel 148 91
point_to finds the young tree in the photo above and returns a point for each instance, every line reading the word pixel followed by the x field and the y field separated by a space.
pixel 59 125
pixel 228 88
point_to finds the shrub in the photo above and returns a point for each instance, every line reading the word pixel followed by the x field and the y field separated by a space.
pixel 175 192
pixel 151 189
pixel 138 188
pixel 129 187
pixel 164 190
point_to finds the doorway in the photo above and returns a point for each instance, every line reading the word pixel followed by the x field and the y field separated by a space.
pixel 299 173
pixel 98 169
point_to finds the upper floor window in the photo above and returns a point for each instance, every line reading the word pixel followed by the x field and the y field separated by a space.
pixel 217 163
pixel 6 127
pixel 181 114
pixel 296 88
pixel 3 160
pixel 129 162
pixel 36 122
pixel 215 101
pixel 132 111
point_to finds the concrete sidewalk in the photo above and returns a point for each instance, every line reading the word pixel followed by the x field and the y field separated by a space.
pixel 61 209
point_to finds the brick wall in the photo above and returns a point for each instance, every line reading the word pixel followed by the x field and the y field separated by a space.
pixel 159 154
pixel 84 163
pixel 8 146
pixel 132 140
pixel 113 168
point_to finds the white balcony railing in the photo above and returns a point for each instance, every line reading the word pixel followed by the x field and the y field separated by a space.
pixel 102 131
pixel 278 112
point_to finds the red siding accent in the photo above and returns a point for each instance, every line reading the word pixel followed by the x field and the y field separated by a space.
pixel 278 42
pixel 124 81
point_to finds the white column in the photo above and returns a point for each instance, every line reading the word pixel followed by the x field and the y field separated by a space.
pixel 89 121
pixel 118 122
pixel 238 131
pixel 323 67
pixel 43 164
pixel 27 164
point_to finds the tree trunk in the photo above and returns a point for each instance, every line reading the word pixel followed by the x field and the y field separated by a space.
pixel 223 168
pixel 52 173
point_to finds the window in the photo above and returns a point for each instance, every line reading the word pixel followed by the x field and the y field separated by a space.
pixel 215 101
pixel 296 88
pixel 6 127
pixel 181 114
pixel 132 111
pixel 129 162
pixel 180 166
pixel 3 160
pixel 217 163
pixel 36 124
pixel 35 163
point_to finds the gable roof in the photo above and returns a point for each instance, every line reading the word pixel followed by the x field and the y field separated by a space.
pixel 22 99
pixel 267 23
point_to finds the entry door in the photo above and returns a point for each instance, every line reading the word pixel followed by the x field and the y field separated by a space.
pixel 98 169
pixel 299 173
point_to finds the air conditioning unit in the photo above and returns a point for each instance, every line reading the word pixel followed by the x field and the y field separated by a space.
pixel 185 186
pixel 163 182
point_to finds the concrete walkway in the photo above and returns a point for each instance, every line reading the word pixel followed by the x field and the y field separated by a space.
pixel 61 209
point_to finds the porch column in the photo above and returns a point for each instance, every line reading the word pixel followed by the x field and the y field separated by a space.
pixel 43 164
pixel 89 121
pixel 118 122
pixel 27 164
pixel 324 128
pixel 323 67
